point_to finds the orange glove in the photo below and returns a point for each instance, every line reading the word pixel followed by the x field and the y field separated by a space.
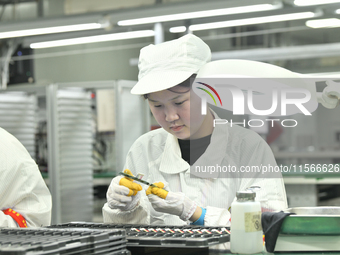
pixel 123 193
pixel 127 182
pixel 175 203
pixel 157 191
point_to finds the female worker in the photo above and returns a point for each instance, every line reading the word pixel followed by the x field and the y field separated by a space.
pixel 166 72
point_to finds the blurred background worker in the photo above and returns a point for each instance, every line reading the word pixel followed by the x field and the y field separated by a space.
pixel 25 200
pixel 187 137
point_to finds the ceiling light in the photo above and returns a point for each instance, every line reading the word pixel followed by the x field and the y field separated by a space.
pixel 93 39
pixel 201 14
pixel 179 29
pixel 252 21
pixel 52 30
pixel 322 23
pixel 314 2
pixel 337 11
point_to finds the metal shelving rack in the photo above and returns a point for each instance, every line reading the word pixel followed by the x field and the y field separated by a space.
pixel 70 139
pixel 18 114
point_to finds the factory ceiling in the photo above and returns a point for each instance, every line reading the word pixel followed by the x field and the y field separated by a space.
pixel 269 42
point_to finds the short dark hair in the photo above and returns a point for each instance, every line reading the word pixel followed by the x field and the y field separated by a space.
pixel 186 84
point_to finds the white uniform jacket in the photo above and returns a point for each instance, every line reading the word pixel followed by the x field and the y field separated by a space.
pixel 22 187
pixel 157 155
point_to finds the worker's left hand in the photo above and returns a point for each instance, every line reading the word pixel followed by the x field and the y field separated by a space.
pixel 175 203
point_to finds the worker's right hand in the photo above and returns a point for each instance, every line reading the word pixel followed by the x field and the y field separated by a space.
pixel 123 193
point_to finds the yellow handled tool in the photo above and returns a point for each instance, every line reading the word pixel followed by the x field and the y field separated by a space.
pixel 138 180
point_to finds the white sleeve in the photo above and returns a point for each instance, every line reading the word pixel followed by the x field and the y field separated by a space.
pixel 23 188
pixel 138 215
pixel 272 197
pixel 272 193
pixel 141 213
pixel 254 151
pixel 217 216
pixel 36 203
pixel 29 196
pixel 7 221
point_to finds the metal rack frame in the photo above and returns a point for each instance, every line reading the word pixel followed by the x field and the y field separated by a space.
pixel 121 87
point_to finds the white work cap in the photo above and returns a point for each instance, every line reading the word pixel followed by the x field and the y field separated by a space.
pixel 168 64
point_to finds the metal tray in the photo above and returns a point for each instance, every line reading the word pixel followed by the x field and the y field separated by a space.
pixel 46 241
pixel 312 221
pixel 170 236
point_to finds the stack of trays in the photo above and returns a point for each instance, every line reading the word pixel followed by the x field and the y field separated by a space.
pixel 161 236
pixel 44 241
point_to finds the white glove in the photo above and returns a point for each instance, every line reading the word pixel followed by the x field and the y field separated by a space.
pixel 123 193
pixel 175 203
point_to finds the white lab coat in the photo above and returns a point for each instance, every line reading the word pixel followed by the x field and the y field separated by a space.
pixel 157 155
pixel 22 187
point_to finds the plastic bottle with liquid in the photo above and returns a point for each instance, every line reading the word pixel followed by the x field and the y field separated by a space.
pixel 246 228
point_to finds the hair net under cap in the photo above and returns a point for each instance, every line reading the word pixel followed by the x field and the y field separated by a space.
pixel 167 64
